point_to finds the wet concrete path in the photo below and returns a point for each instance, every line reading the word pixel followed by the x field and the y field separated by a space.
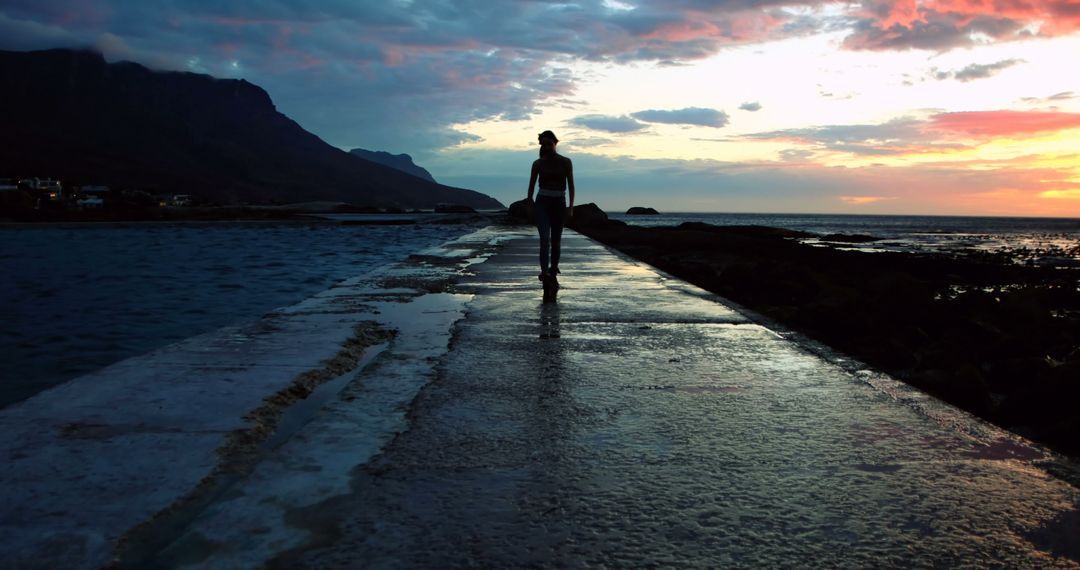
pixel 640 422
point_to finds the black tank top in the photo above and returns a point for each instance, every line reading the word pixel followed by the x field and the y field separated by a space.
pixel 553 172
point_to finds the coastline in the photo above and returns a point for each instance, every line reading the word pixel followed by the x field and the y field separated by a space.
pixel 999 340
pixel 252 216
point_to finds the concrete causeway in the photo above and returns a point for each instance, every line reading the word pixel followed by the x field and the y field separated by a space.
pixel 638 422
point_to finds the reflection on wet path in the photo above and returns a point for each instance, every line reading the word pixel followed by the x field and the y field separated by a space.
pixel 641 423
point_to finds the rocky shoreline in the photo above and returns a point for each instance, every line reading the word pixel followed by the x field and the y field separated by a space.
pixel 998 339
pixel 273 214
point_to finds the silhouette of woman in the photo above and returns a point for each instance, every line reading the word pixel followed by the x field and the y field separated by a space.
pixel 555 173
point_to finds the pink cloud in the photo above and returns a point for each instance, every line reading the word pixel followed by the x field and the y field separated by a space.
pixel 722 27
pixel 902 13
pixel 684 31
pixel 945 24
pixel 1004 123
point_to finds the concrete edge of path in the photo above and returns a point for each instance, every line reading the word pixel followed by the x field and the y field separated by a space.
pixel 1004 443
pixel 114 456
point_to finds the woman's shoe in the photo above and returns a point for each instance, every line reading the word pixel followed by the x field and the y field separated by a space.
pixel 543 276
pixel 555 271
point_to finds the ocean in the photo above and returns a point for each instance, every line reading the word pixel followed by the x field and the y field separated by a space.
pixel 77 298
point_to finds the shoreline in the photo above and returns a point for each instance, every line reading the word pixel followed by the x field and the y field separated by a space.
pixel 999 340
pixel 378 219
pixel 122 223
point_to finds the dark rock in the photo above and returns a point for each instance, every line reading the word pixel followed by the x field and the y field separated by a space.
pixel 641 211
pixel 962 386
pixel 351 209
pixel 585 215
pixel 377 222
pixel 519 211
pixel 588 215
pixel 1056 261
pixel 454 209
pixel 743 231
pixel 459 219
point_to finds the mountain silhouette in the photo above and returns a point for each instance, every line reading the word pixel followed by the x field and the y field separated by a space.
pixel 69 114
pixel 402 162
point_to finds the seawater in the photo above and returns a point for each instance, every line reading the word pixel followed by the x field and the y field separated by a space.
pixel 74 299
pixel 1034 237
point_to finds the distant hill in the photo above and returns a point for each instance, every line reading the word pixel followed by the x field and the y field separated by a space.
pixel 402 162
pixel 71 115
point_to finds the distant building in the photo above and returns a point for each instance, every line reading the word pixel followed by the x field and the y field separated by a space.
pixel 46 192
pixel 182 200
pixel 43 188
pixel 92 197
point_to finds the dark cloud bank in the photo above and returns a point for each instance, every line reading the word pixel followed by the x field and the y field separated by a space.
pixel 398 75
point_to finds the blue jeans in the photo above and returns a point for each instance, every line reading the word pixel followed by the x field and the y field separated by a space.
pixel 549 212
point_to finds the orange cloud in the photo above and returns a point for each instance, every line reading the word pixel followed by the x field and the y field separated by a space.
pixel 1004 123
pixel 1066 194
pixel 863 200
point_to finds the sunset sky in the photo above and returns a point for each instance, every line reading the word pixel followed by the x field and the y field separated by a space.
pixel 935 107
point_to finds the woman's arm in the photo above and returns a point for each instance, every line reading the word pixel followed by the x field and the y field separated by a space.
pixel 532 180
pixel 570 183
